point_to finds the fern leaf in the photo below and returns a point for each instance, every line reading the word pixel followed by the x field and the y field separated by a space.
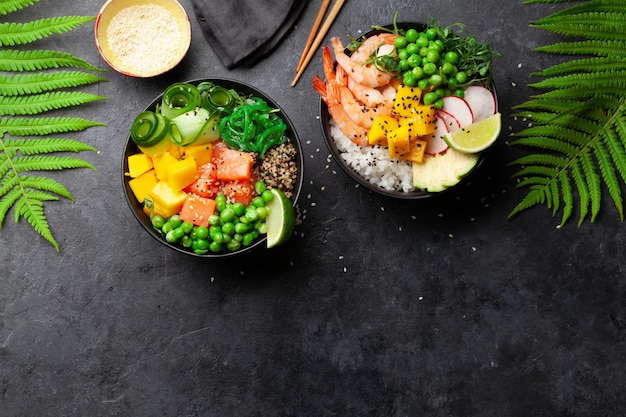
pixel 597 64
pixel 30 206
pixel 609 176
pixel 596 25
pixel 567 194
pixel 34 60
pixel 48 163
pixel 40 126
pixel 21 84
pixel 590 47
pixel 10 6
pixel 43 146
pixel 12 34
pixel 45 184
pixel 41 103
pixel 7 201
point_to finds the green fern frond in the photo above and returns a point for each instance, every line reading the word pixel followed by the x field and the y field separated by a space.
pixel 41 126
pixel 577 125
pixel 40 146
pixel 21 84
pixel 30 206
pixel 35 60
pixel 10 6
pixel 12 34
pixel 547 1
pixel 41 103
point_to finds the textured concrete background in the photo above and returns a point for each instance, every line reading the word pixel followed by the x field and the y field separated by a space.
pixel 378 307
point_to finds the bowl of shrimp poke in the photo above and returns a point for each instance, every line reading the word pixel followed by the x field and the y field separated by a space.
pixel 408 110
pixel 210 166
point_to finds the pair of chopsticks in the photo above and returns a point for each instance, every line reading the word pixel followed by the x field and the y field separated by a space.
pixel 314 41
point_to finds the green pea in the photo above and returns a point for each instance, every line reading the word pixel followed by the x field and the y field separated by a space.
pixel 439 104
pixel 259 186
pixel 436 80
pixel 418 73
pixel 220 206
pixel 412 48
pixel 187 227
pixel 214 219
pixel 238 237
pixel 227 215
pixel 433 56
pixel 251 214
pixel 241 228
pixel 157 221
pixel 400 42
pixel 459 93
pixel 261 212
pixel 167 227
pixel 451 57
pixel 262 228
pixel 403 64
pixel 258 201
pixel 461 77
pixel 239 209
pixel 431 34
pixel 200 244
pixel 408 79
pixel 202 232
pixel 228 228
pixel 169 236
pixel 422 41
pixel 423 84
pixel 186 241
pixel 403 54
pixel 430 68
pixel 423 51
pixel 215 247
pixel 430 98
pixel 220 198
pixel 414 60
pixel 267 196
pixel 175 220
pixel 411 35
pixel 447 68
pixel 233 245
pixel 248 238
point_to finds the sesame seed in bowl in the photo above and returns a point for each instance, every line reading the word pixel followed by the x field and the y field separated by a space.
pixel 142 38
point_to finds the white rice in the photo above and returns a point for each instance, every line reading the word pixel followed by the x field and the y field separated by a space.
pixel 374 164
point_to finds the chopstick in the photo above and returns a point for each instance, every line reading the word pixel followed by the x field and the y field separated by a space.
pixel 318 39
pixel 316 24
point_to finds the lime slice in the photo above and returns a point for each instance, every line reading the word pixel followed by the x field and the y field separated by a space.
pixel 281 220
pixel 475 137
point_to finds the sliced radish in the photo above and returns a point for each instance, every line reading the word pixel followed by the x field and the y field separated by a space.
pixel 481 100
pixel 459 109
pixel 436 143
pixel 451 122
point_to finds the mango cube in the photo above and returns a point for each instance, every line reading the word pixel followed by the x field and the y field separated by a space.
pixel 143 184
pixel 182 173
pixel 138 164
pixel 398 142
pixel 167 201
pixel 202 153
pixel 416 151
pixel 156 150
pixel 406 98
pixel 381 127
pixel 161 163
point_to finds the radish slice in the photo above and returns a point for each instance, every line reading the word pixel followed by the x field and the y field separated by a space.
pixel 459 109
pixel 451 123
pixel 436 143
pixel 481 100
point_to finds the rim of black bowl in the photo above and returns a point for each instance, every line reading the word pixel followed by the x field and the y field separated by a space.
pixel 336 153
pixel 131 148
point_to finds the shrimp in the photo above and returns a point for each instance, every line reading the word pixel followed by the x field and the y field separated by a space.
pixel 370 46
pixel 371 96
pixel 330 91
pixel 366 74
pixel 348 127
pixel 363 115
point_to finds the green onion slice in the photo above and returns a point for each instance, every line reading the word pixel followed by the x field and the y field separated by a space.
pixel 179 98
pixel 149 128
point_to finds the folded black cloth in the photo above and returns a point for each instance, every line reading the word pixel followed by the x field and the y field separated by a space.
pixel 242 32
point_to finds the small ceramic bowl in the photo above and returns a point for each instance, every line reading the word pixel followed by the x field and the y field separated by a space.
pixel 142 38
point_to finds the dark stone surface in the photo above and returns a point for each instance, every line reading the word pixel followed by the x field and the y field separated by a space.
pixel 378 307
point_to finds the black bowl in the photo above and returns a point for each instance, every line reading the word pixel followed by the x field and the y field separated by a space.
pixel 130 149
pixel 356 176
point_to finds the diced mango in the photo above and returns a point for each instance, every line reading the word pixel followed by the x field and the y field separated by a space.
pixel 381 127
pixel 167 201
pixel 138 164
pixel 182 173
pixel 174 150
pixel 419 125
pixel 156 150
pixel 202 153
pixel 161 163
pixel 143 184
pixel 398 142
pixel 406 98
pixel 416 152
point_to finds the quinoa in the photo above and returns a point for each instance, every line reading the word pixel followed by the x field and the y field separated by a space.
pixel 278 168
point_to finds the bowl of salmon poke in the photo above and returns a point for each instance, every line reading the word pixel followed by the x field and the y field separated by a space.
pixel 213 168
pixel 408 110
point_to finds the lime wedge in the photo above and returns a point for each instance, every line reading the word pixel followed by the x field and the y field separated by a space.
pixel 475 137
pixel 281 220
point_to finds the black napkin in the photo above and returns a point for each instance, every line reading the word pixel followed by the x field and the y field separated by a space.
pixel 242 32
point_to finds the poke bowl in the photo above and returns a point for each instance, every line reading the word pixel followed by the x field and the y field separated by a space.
pixel 207 152
pixel 386 135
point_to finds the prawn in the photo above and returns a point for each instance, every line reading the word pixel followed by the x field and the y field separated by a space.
pixel 371 96
pixel 366 74
pixel 330 91
pixel 370 46
pixel 362 114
